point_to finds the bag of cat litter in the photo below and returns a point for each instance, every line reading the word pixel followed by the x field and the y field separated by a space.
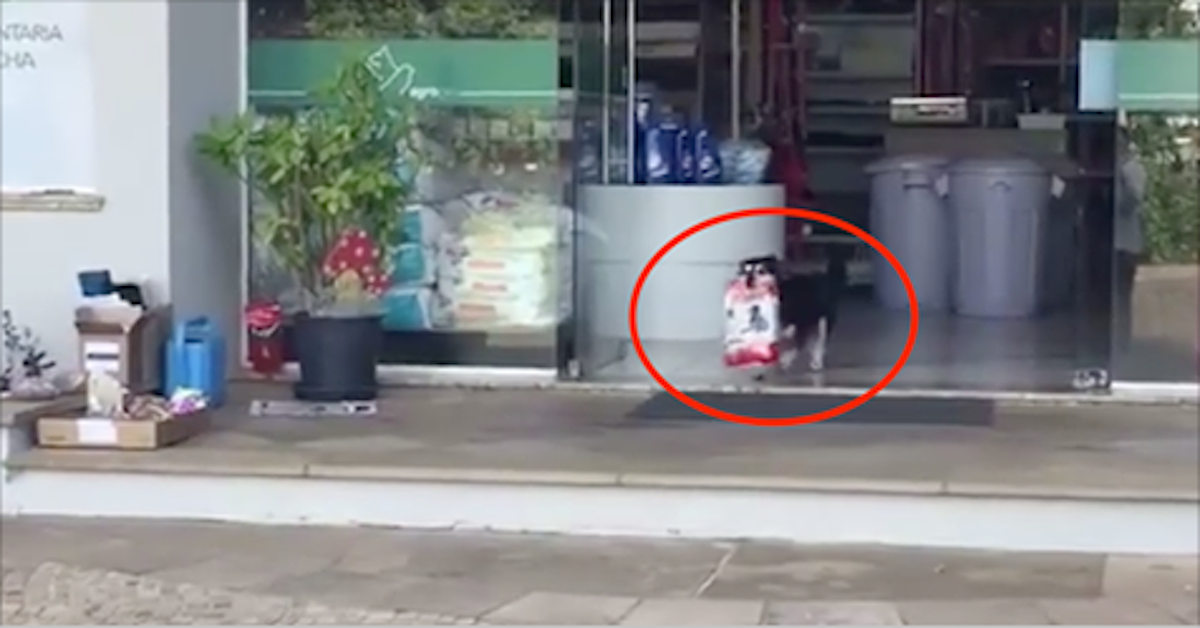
pixel 422 225
pixel 413 265
pixel 408 309
pixel 752 331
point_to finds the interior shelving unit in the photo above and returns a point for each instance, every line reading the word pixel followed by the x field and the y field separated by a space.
pixel 857 62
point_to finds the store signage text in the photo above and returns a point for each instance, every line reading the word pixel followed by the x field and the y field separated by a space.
pixel 397 77
pixel 18 37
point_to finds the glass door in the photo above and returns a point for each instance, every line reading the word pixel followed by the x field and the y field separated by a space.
pixel 1156 238
pixel 1093 146
pixel 598 151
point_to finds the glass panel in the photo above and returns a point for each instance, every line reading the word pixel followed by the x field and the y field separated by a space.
pixel 601 156
pixel 1157 211
pixel 1017 300
pixel 617 145
pixel 478 269
pixel 1091 193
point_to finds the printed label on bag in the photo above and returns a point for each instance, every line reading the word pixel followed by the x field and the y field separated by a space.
pixel 102 357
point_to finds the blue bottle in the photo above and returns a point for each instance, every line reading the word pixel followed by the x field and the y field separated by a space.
pixel 685 156
pixel 196 359
pixel 662 152
pixel 645 116
pixel 707 155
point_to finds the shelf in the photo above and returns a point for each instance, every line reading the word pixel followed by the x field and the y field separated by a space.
pixel 1032 62
pixel 833 75
pixel 861 19
pixel 847 151
pixel 848 110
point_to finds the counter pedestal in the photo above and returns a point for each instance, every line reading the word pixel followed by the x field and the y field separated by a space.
pixel 624 226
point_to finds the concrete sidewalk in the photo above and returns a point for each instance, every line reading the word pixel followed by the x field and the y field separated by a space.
pixel 125 572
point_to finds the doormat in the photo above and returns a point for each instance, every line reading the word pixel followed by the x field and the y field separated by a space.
pixel 288 407
pixel 878 411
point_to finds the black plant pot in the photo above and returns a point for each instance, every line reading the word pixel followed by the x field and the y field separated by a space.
pixel 338 357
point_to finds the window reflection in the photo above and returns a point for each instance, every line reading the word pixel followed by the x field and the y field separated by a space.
pixel 478 272
pixel 1157 276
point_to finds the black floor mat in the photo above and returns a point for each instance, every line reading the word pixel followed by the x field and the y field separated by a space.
pixel 880 410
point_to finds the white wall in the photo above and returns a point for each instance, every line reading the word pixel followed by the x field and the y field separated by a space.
pixel 161 69
pixel 42 252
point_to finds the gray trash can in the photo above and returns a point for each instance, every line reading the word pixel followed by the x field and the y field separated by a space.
pixel 910 216
pixel 1000 212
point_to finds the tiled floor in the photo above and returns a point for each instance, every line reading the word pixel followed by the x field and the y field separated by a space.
pixel 1054 449
pixel 191 572
pixel 951 352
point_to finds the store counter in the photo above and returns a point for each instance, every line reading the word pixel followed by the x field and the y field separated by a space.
pixel 682 300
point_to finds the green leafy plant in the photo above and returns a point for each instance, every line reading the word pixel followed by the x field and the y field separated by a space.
pixel 1167 144
pixel 320 172
pixel 494 141
pixel 453 19
pixel 1154 19
pixel 1171 208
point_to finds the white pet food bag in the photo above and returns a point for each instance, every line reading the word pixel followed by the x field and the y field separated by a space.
pixel 752 321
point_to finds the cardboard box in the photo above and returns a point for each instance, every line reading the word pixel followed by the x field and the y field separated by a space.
pixel 126 341
pixel 75 430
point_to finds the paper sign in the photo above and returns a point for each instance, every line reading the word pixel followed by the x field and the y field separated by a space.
pixel 96 431
pixel 102 357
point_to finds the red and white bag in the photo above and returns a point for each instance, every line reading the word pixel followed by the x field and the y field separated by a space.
pixel 752 321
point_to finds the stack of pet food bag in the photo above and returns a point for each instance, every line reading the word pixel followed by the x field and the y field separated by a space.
pixel 488 262
pixel 508 272
pixel 423 267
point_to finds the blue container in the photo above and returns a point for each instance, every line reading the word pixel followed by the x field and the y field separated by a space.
pixel 196 359
pixel 707 157
pixel 95 283
pixel 685 156
pixel 645 115
pixel 662 152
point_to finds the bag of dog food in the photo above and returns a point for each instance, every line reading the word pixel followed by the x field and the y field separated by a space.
pixel 752 320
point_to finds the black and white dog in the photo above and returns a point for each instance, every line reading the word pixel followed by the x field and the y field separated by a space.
pixel 808 305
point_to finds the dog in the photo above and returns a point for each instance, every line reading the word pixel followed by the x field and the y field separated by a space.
pixel 808 306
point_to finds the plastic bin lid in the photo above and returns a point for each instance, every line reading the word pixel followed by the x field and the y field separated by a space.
pixel 1016 165
pixel 908 162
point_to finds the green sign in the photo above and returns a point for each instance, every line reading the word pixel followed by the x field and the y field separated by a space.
pixel 465 72
pixel 1159 75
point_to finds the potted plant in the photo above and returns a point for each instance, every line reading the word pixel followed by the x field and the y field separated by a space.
pixel 329 184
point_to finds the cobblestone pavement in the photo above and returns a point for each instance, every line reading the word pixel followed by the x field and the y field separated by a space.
pixel 106 572
pixel 55 595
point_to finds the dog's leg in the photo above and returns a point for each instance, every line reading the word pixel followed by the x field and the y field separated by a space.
pixel 816 346
pixel 787 348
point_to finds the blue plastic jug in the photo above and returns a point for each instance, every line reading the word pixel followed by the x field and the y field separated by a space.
pixel 685 156
pixel 662 152
pixel 707 157
pixel 196 360
pixel 645 116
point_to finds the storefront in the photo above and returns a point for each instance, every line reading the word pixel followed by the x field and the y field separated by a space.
pixel 1159 356
pixel 1061 85
pixel 519 266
